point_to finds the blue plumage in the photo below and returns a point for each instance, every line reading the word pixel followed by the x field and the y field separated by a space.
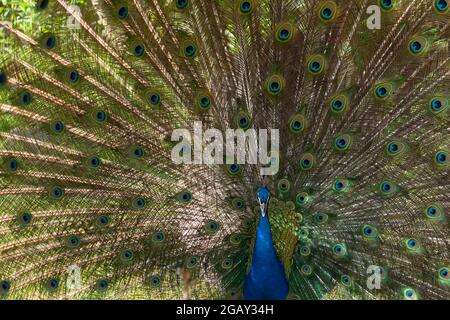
pixel 266 279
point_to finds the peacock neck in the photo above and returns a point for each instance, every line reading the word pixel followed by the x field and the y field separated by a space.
pixel 264 250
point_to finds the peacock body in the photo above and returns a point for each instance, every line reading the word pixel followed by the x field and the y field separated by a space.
pixel 92 206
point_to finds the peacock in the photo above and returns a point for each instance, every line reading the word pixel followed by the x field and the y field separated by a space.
pixel 93 205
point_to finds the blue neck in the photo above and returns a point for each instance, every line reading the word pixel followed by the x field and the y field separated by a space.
pixel 266 279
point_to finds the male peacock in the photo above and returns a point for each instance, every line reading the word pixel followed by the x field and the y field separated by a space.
pixel 93 207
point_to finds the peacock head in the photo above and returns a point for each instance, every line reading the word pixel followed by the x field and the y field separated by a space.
pixel 263 195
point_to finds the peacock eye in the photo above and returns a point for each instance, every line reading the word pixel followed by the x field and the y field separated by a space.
pixel 122 13
pixel 139 50
pixel 386 4
pixel 246 7
pixel 102 285
pixel 42 4
pixel 182 4
pixel 3 78
pixel 441 6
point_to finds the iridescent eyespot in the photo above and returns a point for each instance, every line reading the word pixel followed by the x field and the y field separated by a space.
pixel 284 32
pixel 307 161
pixel 227 263
pixel 184 196
pixel 181 4
pixel 155 281
pixel 441 6
pixel 100 116
pixel 316 64
pixel 383 90
pixel 139 50
pixel 48 41
pixel 102 285
pixel 438 105
pixel 191 262
pixel 56 193
pixel 342 185
pixel 94 162
pixel 24 218
pixel 243 120
pixel 413 245
pixel 306 269
pixel 370 232
pixel 154 99
pixel 327 11
pixel 3 78
pixel 386 4
pixel 339 104
pixel 52 284
pixel 12 165
pixel 275 85
pixel 235 239
pixel 126 255
pixel 103 221
pixel 41 4
pixel 203 101
pixel 346 280
pixel 388 188
pixel 74 76
pixel 234 169
pixel 444 273
pixel 343 142
pixel 435 212
pixel 24 98
pixel 246 7
pixel 418 45
pixel 5 286
pixel 136 152
pixel 139 202
pixel 305 251
pixel 303 233
pixel 320 218
pixel 233 293
pixel 57 126
pixel 238 203
pixel 122 12
pixel 188 49
pixel 302 198
pixel 396 148
pixel 340 249
pixel 409 294
pixel 297 123
pixel 284 185
pixel 72 242
pixel 211 226
pixel 441 159
pixel 159 236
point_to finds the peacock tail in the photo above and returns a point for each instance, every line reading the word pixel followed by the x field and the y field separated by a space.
pixel 93 207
